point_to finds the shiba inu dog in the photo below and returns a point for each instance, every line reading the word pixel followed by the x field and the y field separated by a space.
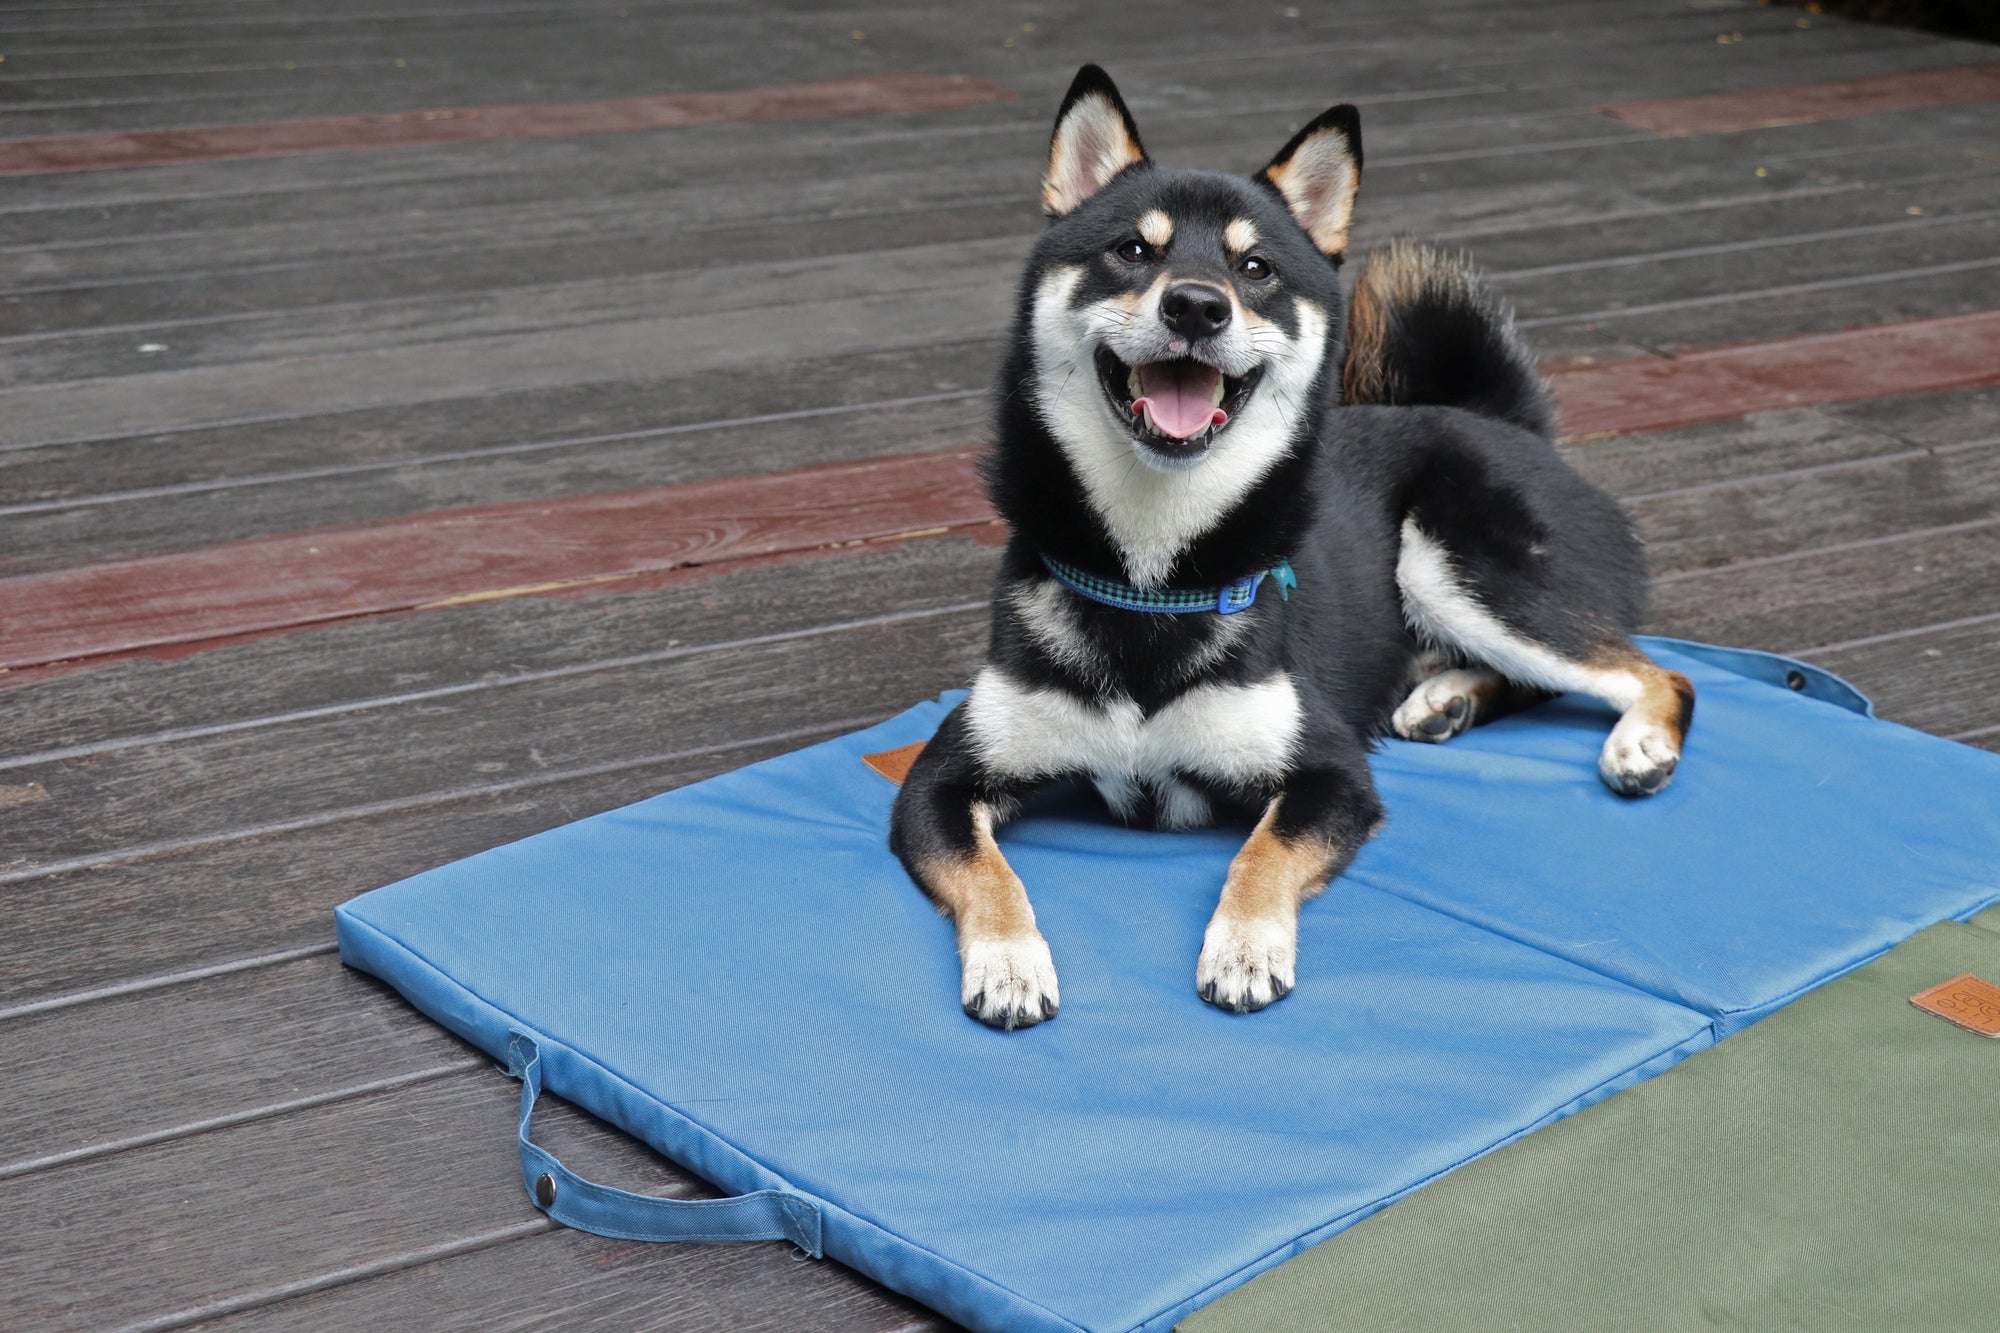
pixel 1253 533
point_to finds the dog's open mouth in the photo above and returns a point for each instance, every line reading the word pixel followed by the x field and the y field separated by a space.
pixel 1174 408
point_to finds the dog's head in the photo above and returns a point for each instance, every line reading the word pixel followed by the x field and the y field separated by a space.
pixel 1187 318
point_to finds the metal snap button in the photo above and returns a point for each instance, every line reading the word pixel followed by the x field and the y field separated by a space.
pixel 545 1189
pixel 1795 680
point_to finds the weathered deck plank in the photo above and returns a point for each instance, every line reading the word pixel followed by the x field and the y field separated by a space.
pixel 48 535
pixel 387 1178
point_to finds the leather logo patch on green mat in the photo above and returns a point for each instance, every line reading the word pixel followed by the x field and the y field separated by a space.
pixel 1966 1000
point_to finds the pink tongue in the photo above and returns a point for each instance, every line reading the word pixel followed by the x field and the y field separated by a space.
pixel 1180 397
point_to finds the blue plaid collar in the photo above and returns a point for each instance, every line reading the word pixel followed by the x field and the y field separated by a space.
pixel 1226 600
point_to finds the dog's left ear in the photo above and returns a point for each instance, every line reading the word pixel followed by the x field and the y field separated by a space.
pixel 1094 140
pixel 1317 175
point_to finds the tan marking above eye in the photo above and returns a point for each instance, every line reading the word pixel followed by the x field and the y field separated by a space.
pixel 1239 236
pixel 1156 229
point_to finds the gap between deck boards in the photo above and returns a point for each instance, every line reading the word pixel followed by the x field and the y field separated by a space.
pixel 187 601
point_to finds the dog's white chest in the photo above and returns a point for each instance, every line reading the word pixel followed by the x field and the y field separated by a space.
pixel 1227 733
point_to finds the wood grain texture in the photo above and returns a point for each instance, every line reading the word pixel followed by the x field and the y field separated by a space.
pixel 882 95
pixel 1941 680
pixel 478 554
pixel 221 894
pixel 1920 357
pixel 170 491
pixel 1799 103
pixel 425 751
pixel 387 1177
pixel 583 1282
pixel 240 1043
pixel 162 398
pixel 559 545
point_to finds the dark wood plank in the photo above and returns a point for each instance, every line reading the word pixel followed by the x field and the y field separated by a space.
pixel 359 379
pixel 203 486
pixel 97 407
pixel 1642 394
pixel 1723 112
pixel 1634 291
pixel 1926 419
pixel 574 721
pixel 127 701
pixel 557 545
pixel 481 646
pixel 1804 310
pixel 527 548
pixel 1939 680
pixel 882 94
pixel 591 1284
pixel 1418 149
pixel 409 755
pixel 723 179
pixel 215 895
pixel 210 903
pixel 1905 580
pixel 1830 50
pixel 523 251
pixel 1835 504
pixel 234 1217
pixel 215 395
pixel 90 1080
pixel 351 471
pixel 924 260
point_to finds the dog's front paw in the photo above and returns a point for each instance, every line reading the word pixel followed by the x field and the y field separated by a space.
pixel 1440 707
pixel 1639 758
pixel 1246 964
pixel 1009 983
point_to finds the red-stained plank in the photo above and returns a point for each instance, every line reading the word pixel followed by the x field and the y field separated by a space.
pixel 881 94
pixel 1660 393
pixel 613 542
pixel 1800 103
pixel 460 555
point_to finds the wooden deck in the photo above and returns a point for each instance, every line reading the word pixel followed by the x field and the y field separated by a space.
pixel 384 477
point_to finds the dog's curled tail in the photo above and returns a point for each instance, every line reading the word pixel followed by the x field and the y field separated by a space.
pixel 1425 331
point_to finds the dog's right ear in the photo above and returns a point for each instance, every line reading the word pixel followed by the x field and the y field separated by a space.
pixel 1095 139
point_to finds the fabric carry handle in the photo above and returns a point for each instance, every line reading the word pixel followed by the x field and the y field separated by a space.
pixel 603 1211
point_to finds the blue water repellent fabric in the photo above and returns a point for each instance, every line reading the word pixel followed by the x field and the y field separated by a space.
pixel 740 974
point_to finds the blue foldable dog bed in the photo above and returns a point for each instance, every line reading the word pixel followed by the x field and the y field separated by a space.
pixel 740 974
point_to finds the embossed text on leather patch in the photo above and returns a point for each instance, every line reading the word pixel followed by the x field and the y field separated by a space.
pixel 1966 1000
pixel 894 764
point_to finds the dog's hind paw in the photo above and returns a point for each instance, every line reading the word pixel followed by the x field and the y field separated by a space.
pixel 1441 706
pixel 1639 758
pixel 1246 965
pixel 1009 983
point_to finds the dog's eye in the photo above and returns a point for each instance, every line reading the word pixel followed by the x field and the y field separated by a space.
pixel 1134 251
pixel 1255 268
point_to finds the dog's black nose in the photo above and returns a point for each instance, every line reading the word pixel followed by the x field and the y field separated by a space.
pixel 1194 311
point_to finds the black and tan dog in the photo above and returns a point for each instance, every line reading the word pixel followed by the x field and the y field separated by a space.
pixel 1227 578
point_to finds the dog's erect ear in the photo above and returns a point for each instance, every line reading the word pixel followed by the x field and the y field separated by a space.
pixel 1317 174
pixel 1095 139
